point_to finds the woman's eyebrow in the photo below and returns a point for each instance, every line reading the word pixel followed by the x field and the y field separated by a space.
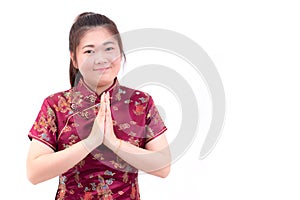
pixel 88 45
pixel 93 46
pixel 108 42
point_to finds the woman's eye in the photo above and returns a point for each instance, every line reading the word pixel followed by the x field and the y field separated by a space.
pixel 89 51
pixel 109 49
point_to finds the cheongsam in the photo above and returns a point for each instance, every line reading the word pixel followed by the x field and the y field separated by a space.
pixel 67 117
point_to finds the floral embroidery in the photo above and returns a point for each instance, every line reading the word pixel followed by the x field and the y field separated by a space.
pixel 98 156
pixel 127 101
pixel 139 109
pixel 110 173
pixel 76 99
pixel 103 189
pixel 132 122
pixel 118 165
pixel 115 108
pixel 63 105
pixel 81 164
pixel 125 175
pixel 110 181
pixel 45 124
pixel 88 196
pixel 124 126
pixel 133 191
pixel 62 188
pixel 150 132
pixel 66 129
pixel 143 100
pixel 73 139
pixel 92 98
pixel 67 116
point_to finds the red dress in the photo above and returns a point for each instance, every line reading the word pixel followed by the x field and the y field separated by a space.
pixel 67 117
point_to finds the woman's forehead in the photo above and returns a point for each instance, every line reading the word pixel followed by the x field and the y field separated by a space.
pixel 99 35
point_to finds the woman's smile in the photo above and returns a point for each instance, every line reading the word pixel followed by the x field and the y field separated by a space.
pixel 101 69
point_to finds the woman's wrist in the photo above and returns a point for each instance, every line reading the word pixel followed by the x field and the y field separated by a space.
pixel 115 145
pixel 118 146
pixel 89 144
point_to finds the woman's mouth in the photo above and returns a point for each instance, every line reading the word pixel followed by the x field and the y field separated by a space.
pixel 101 68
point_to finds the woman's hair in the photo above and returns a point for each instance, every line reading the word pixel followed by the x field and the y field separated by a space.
pixel 83 23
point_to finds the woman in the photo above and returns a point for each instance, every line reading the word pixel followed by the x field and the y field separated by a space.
pixel 98 134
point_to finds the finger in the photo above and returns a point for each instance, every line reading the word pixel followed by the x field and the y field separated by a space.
pixel 108 121
pixel 102 104
pixel 107 98
pixel 108 111
pixel 101 112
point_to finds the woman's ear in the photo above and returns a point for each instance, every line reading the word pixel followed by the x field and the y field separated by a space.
pixel 72 57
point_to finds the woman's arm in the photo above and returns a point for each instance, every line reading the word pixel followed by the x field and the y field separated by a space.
pixel 43 163
pixel 155 159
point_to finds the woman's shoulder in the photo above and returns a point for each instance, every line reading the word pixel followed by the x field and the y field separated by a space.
pixel 132 91
pixel 134 94
pixel 59 96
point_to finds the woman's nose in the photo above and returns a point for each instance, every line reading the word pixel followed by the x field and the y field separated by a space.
pixel 101 60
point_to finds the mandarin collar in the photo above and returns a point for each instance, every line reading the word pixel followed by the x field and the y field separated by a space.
pixel 91 96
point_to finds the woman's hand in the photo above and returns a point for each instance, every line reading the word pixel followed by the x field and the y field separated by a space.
pixel 154 159
pixel 96 136
pixel 110 138
pixel 102 130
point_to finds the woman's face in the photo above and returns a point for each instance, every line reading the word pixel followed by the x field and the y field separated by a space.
pixel 98 58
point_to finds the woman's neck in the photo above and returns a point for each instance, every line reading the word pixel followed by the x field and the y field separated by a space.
pixel 101 89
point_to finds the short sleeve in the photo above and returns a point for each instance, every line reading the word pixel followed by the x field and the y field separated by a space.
pixel 154 123
pixel 44 128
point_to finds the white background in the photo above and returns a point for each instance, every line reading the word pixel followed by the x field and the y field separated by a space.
pixel 255 46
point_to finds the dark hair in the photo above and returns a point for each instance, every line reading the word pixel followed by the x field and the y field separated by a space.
pixel 82 24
